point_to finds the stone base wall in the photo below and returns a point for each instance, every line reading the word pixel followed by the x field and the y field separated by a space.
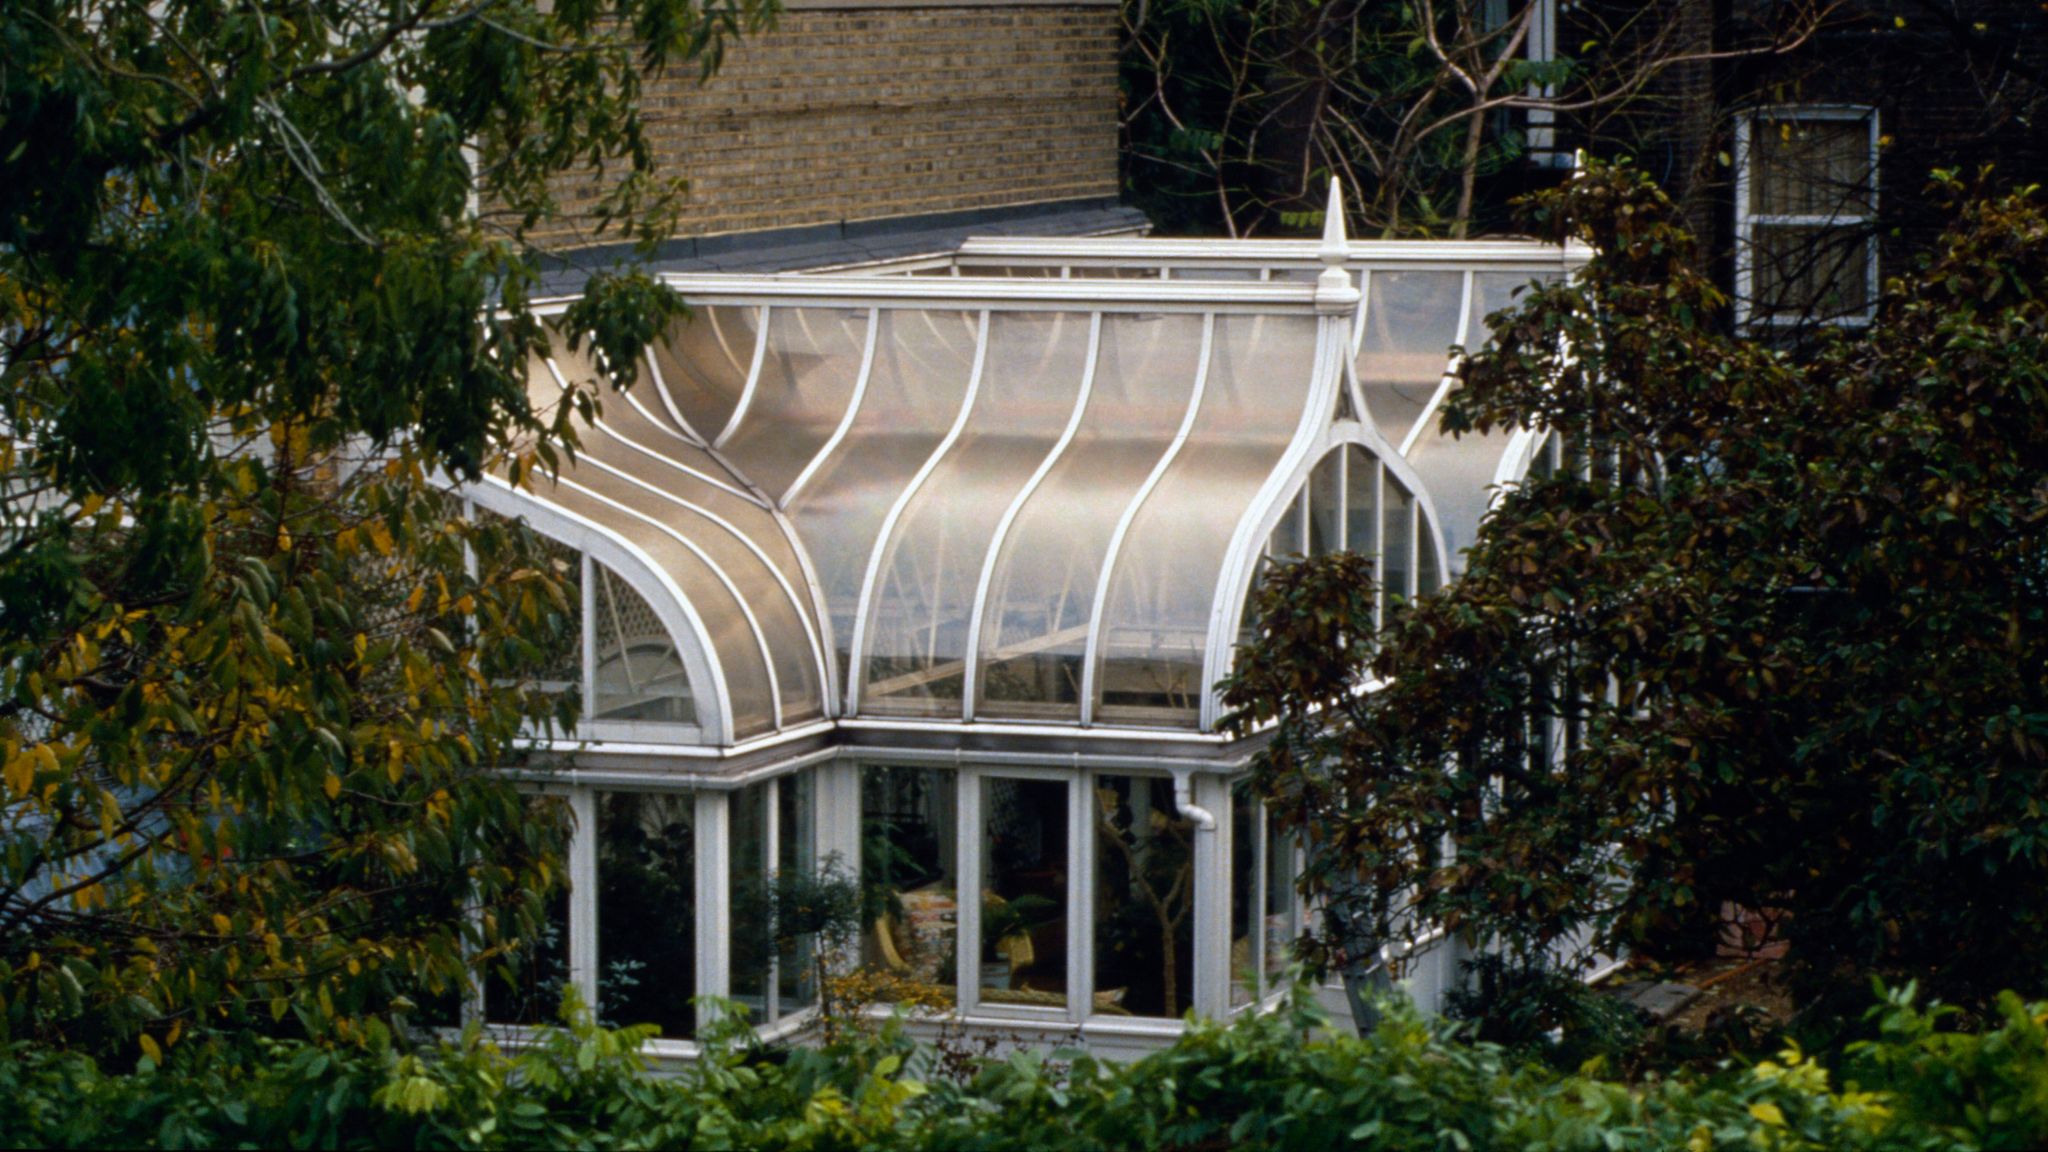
pixel 872 112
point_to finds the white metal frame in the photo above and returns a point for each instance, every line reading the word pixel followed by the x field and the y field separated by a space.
pixel 1746 221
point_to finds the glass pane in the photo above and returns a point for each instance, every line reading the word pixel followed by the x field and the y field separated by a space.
pixel 1043 590
pixel 1157 619
pixel 1245 941
pixel 1326 505
pixel 1144 899
pixel 640 674
pixel 915 386
pixel 1815 273
pixel 1362 500
pixel 807 377
pixel 704 361
pixel 647 910
pixel 1397 536
pixel 1411 320
pixel 559 667
pixel 917 645
pixel 1810 167
pixel 909 890
pixel 1492 292
pixel 796 855
pixel 524 984
pixel 1286 541
pixel 1280 925
pixel 1023 954
pixel 752 935
pixel 1427 579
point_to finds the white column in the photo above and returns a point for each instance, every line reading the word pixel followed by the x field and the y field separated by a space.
pixel 714 900
pixel 1212 901
pixel 1081 867
pixel 583 957
pixel 967 912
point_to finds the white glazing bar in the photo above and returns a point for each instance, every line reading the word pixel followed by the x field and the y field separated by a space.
pixel 746 611
pixel 1081 925
pixel 860 391
pixel 771 855
pixel 1450 379
pixel 739 410
pixel 1092 653
pixel 857 656
pixel 995 547
pixel 587 593
pixel 1379 544
pixel 680 617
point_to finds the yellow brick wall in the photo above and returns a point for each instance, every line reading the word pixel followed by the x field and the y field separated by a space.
pixel 867 113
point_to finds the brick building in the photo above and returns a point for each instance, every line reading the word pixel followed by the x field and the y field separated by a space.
pixel 864 130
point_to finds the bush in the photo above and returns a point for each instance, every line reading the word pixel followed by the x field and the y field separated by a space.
pixel 1273 1081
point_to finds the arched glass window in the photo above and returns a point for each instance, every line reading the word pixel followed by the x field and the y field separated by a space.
pixel 638 674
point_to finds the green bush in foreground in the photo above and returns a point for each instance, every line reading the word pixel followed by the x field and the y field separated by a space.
pixel 1276 1081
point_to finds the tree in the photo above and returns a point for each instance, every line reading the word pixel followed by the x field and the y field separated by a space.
pixel 1773 632
pixel 263 279
pixel 1235 110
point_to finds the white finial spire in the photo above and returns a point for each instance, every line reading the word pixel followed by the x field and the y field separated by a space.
pixel 1334 291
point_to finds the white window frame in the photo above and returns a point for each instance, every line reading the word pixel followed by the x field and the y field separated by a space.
pixel 1746 221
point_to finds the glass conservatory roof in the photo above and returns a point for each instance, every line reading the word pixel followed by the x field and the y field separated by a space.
pixel 1030 483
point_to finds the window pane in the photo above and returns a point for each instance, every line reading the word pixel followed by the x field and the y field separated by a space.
pixel 1043 590
pixel 640 674
pixel 1817 273
pixel 1397 532
pixel 1144 899
pixel 1361 493
pixel 924 596
pixel 1286 541
pixel 704 361
pixel 908 878
pixel 524 985
pixel 1244 895
pixel 1156 623
pixel 811 364
pixel 797 856
pixel 1023 952
pixel 1810 167
pixel 1411 321
pixel 1325 505
pixel 752 937
pixel 1280 925
pixel 921 367
pixel 647 910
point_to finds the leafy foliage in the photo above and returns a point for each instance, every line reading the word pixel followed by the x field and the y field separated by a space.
pixel 1271 1081
pixel 1776 633
pixel 265 278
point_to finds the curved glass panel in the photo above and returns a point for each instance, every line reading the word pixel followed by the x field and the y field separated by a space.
pixel 1397 543
pixel 1043 591
pixel 922 363
pixel 739 656
pixel 639 674
pixel 721 524
pixel 1326 505
pixel 704 360
pixel 924 594
pixel 807 378
pixel 1411 321
pixel 1156 620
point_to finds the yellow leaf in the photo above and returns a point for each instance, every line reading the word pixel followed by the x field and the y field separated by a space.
pixel 150 1049
pixel 332 785
pixel 1768 1113
pixel 20 775
pixel 222 924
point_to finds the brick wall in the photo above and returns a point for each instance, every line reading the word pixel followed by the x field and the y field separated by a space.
pixel 864 113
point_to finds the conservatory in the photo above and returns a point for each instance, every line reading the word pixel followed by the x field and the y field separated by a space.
pixel 926 574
